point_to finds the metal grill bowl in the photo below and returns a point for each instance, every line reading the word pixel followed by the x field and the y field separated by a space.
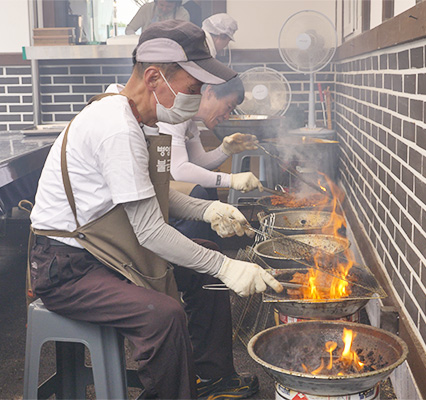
pixel 287 255
pixel 297 221
pixel 280 351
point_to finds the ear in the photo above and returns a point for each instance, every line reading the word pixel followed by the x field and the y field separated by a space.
pixel 208 92
pixel 151 77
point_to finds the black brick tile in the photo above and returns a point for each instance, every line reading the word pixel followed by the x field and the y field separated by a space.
pixel 396 125
pixel 393 64
pixel 77 107
pixel 108 80
pixel 68 79
pixel 416 109
pixel 2 89
pixel 85 70
pixel 422 329
pixel 27 117
pixel 87 89
pixel 387 120
pixel 397 83
pixel 391 143
pixel 405 272
pixel 392 102
pixel 417 57
pixel 409 131
pixel 396 167
pixel 19 109
pixel 26 81
pixel 403 106
pixel 20 89
pixel 54 89
pixel 420 295
pixel 9 117
pixel 387 81
pixel 3 108
pixel 421 137
pixel 397 284
pixel 379 81
pixel 394 209
pixel 406 225
pixel 64 117
pixel 412 309
pixel 413 260
pixel 415 159
pixel 121 70
pixel 52 108
pixel 407 175
pixel 27 99
pixel 18 70
pixel 9 81
pixel 69 98
pixel 410 84
pixel 375 62
pixel 50 71
pixel 421 84
pixel 403 60
pixel 10 99
pixel 384 61
pixel 420 189
pixel 419 241
pixel 19 126
pixel 45 80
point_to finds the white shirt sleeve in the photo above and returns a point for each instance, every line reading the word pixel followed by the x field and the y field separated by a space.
pixel 186 137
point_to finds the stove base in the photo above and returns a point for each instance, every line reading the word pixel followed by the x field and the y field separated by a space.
pixel 283 393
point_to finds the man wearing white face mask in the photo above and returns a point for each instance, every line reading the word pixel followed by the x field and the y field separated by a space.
pixel 102 248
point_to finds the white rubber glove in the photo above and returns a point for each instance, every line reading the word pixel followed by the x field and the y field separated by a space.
pixel 227 220
pixel 239 142
pixel 245 182
pixel 245 278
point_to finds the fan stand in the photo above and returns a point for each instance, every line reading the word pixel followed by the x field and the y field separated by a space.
pixel 311 128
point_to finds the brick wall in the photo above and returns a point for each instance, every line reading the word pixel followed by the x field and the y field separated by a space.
pixel 380 116
pixel 66 85
pixel 16 109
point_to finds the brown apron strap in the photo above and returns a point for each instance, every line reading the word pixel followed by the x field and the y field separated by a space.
pixel 66 177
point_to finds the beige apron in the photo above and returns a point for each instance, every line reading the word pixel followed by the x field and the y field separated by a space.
pixel 111 238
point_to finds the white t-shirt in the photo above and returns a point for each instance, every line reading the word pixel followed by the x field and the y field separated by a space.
pixel 189 161
pixel 107 160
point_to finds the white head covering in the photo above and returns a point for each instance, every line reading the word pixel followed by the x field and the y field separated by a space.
pixel 219 24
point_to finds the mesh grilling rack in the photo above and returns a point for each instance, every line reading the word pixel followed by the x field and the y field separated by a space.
pixel 253 314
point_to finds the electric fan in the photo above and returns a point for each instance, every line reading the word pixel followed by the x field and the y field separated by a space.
pixel 307 43
pixel 267 92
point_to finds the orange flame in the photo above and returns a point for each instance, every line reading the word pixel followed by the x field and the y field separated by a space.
pixel 330 347
pixel 348 356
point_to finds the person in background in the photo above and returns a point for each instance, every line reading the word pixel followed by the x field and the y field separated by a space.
pixel 220 29
pixel 191 163
pixel 104 187
pixel 158 10
pixel 194 9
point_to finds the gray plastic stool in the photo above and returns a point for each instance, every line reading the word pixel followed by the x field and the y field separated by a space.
pixel 106 349
pixel 269 171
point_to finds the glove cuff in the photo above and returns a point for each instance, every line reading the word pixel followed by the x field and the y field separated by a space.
pixel 211 211
pixel 225 150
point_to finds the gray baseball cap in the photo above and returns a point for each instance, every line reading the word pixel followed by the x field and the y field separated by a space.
pixel 185 44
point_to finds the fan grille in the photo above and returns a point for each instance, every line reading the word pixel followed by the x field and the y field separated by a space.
pixel 307 41
pixel 267 92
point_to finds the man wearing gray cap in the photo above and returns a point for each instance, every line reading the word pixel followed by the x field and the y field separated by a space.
pixel 102 248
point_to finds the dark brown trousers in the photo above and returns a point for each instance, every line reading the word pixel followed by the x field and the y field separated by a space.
pixel 71 282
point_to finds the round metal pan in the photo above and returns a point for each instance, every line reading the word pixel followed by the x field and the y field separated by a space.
pixel 281 350
pixel 315 309
pixel 266 204
pixel 287 256
pixel 298 221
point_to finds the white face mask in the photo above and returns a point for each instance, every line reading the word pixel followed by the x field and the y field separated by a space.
pixel 184 107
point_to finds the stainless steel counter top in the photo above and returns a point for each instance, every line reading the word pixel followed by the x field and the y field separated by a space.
pixel 21 154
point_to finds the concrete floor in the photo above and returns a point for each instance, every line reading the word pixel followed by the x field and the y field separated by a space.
pixel 13 237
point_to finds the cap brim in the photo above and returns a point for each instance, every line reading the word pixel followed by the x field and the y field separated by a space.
pixel 208 70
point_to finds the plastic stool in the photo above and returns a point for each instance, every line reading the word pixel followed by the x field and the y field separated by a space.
pixel 269 171
pixel 106 349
